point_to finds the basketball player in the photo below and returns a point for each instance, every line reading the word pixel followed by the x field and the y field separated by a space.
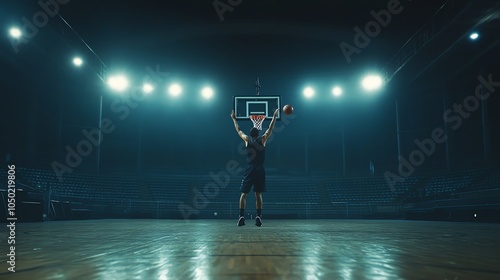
pixel 254 174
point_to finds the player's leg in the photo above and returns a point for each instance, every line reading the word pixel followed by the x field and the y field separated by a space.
pixel 241 218
pixel 243 202
pixel 258 206
pixel 246 185
pixel 259 188
pixel 258 202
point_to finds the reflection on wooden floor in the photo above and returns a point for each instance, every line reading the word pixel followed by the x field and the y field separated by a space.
pixel 281 249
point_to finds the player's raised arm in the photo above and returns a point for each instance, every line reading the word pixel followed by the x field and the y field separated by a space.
pixel 269 131
pixel 243 136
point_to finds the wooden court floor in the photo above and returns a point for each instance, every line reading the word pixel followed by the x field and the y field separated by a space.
pixel 281 249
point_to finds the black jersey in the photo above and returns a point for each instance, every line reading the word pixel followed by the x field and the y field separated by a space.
pixel 256 151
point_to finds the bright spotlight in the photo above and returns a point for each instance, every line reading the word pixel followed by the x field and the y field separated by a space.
pixel 15 32
pixel 147 88
pixel 337 91
pixel 207 93
pixel 308 92
pixel 175 90
pixel 474 36
pixel 77 61
pixel 118 83
pixel 372 83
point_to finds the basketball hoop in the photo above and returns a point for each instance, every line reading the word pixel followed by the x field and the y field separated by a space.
pixel 257 121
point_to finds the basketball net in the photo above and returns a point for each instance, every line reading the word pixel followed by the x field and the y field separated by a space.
pixel 257 121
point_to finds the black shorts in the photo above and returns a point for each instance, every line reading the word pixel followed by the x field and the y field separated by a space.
pixel 254 176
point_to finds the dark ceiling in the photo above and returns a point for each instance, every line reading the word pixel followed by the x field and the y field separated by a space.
pixel 274 38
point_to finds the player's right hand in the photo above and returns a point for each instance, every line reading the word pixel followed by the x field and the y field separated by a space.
pixel 276 112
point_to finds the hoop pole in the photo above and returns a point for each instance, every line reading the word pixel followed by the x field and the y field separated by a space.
pixel 257 86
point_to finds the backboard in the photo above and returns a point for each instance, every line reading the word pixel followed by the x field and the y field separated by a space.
pixel 246 105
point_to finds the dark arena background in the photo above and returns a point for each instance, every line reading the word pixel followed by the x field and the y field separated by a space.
pixel 120 159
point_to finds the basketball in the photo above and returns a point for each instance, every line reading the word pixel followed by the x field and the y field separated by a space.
pixel 287 109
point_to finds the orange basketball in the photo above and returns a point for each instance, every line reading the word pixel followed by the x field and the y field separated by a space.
pixel 287 109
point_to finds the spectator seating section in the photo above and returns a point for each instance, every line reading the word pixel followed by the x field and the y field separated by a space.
pixel 176 188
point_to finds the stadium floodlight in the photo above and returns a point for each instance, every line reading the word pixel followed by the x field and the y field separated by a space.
pixel 474 36
pixel 337 91
pixel 308 92
pixel 175 90
pixel 207 92
pixel 77 61
pixel 15 32
pixel 147 88
pixel 118 83
pixel 372 82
